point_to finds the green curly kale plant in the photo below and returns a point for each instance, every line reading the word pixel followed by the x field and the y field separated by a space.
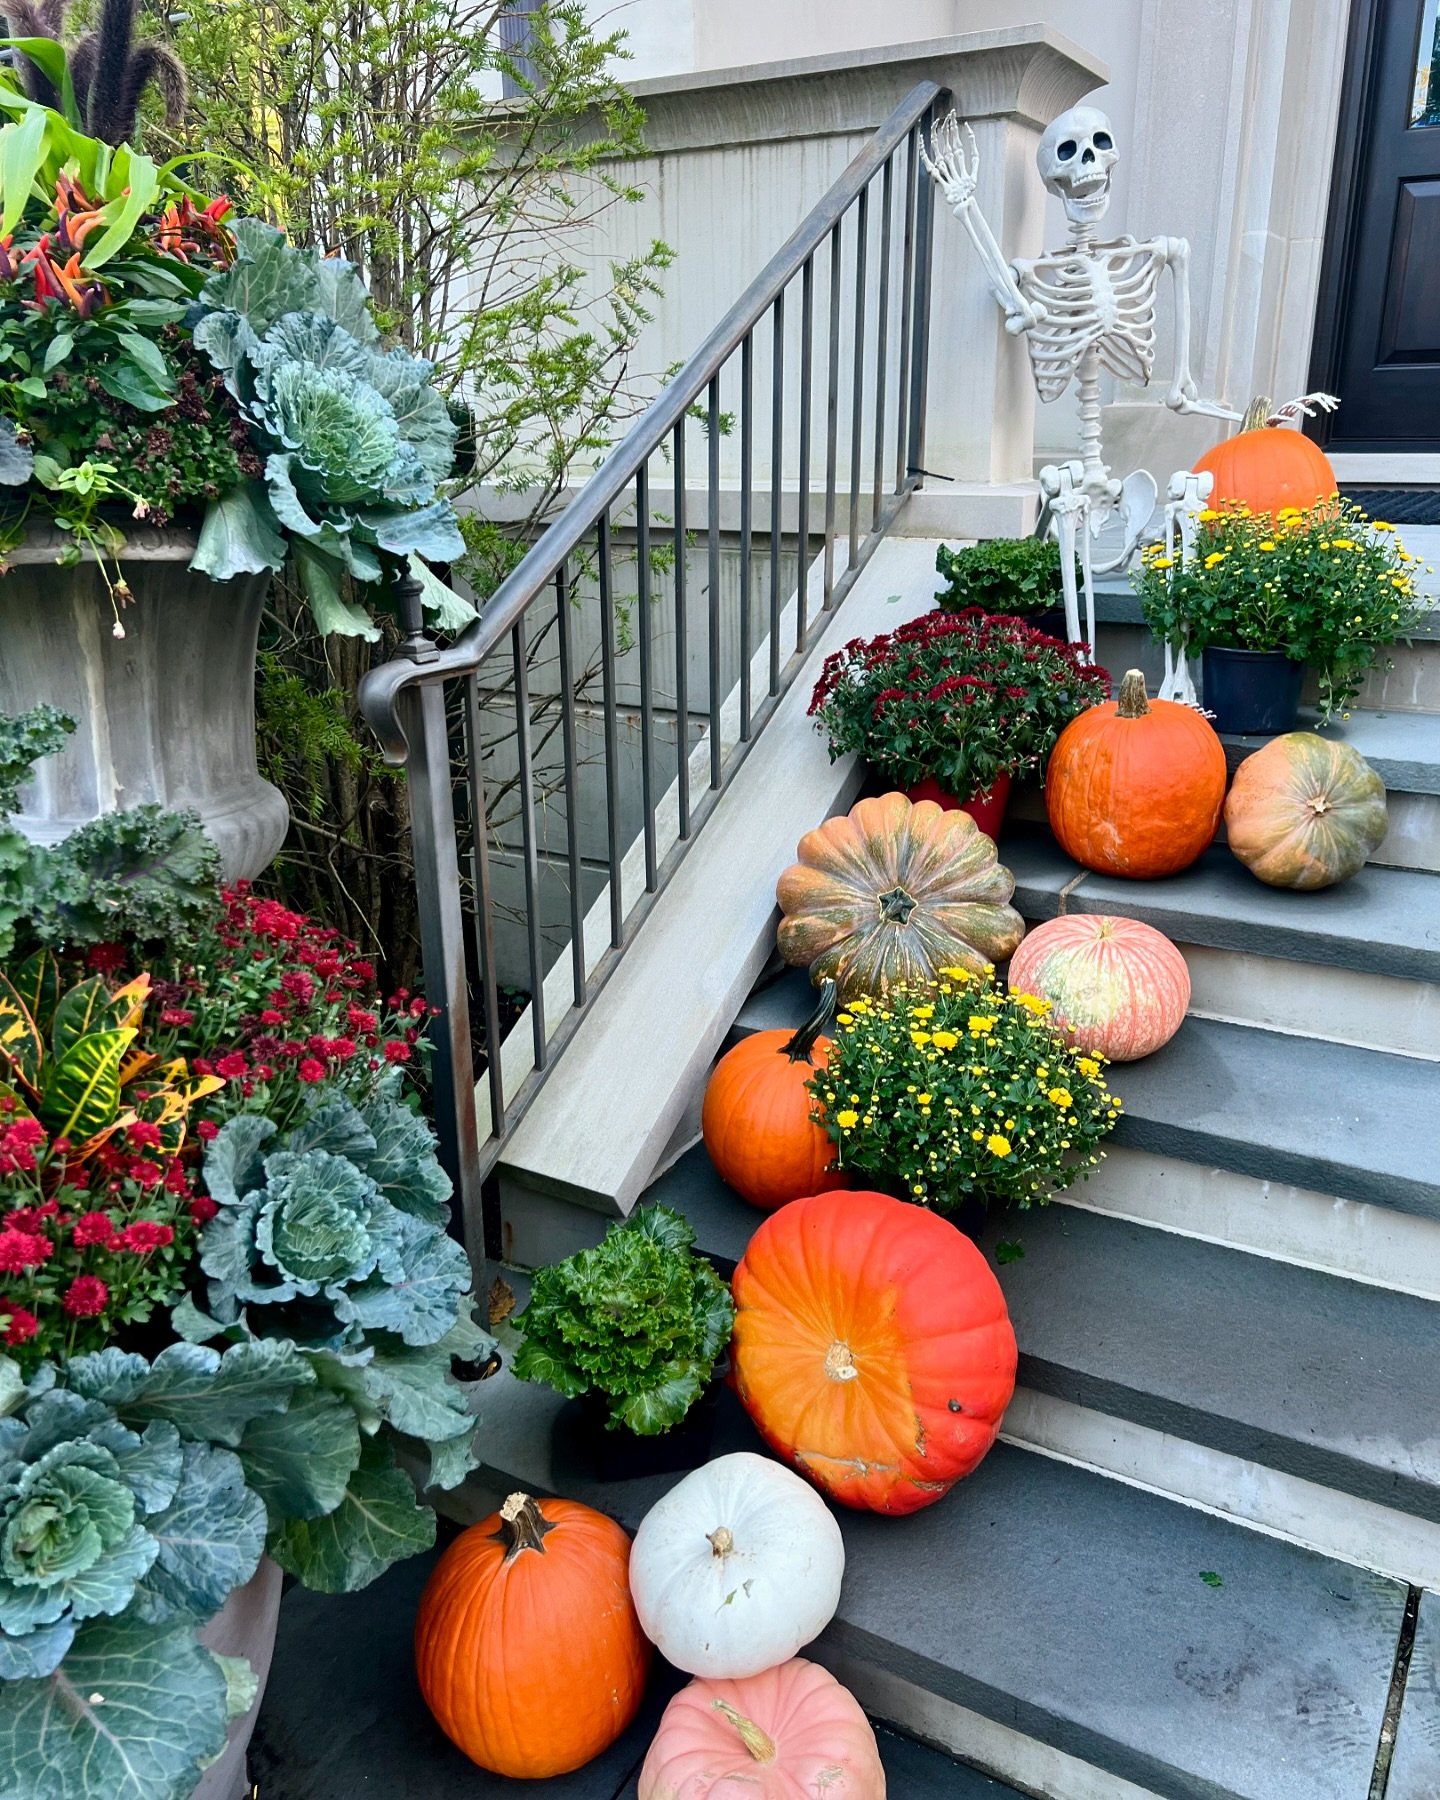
pixel 1002 575
pixel 356 438
pixel 640 1320
pixel 145 873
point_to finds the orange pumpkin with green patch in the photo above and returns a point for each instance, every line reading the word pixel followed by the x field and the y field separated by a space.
pixel 1305 812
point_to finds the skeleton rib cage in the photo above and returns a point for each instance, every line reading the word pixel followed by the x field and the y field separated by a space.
pixel 1100 297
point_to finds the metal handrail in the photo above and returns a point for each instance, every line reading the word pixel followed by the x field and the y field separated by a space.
pixel 381 687
pixel 408 701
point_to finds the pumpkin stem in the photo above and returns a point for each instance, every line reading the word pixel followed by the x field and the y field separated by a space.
pixel 721 1540
pixel 760 1745
pixel 896 905
pixel 1133 702
pixel 801 1047
pixel 522 1526
pixel 1256 413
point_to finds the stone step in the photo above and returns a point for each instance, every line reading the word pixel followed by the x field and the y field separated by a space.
pixel 1324 1379
pixel 1358 963
pixel 335 1725
pixel 1070 1634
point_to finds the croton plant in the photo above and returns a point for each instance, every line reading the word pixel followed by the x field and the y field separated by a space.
pixel 227 1293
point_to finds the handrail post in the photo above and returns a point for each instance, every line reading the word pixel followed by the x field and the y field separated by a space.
pixel 442 930
pixel 924 271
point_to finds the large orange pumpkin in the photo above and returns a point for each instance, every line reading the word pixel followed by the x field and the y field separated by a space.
pixel 1135 786
pixel 872 1348
pixel 1266 467
pixel 1305 812
pixel 894 892
pixel 1116 987
pixel 527 1646
pixel 758 1119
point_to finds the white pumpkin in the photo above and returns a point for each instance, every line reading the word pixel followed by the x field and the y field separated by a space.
pixel 736 1568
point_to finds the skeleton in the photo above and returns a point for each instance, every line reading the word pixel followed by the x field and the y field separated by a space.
pixel 1083 310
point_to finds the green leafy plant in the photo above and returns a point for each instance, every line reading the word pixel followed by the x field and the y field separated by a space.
pixel 143 873
pixel 963 697
pixel 1325 586
pixel 1001 575
pixel 962 1089
pixel 640 1320
pixel 356 438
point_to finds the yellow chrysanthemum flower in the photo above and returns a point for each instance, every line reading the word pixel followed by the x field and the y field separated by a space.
pixel 847 1120
pixel 1059 1096
pixel 997 1145
pixel 944 1040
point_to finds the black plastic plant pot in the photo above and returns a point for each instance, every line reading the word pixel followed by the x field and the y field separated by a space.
pixel 622 1455
pixel 1051 621
pixel 1254 693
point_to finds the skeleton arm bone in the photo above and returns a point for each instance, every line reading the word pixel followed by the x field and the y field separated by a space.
pixel 1184 396
pixel 956 167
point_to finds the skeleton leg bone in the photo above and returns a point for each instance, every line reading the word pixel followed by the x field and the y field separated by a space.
pixel 1069 508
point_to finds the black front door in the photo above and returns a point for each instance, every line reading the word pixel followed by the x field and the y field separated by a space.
pixel 1378 345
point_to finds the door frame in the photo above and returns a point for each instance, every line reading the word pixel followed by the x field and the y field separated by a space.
pixel 1337 263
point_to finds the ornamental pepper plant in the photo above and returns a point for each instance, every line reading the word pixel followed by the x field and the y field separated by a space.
pixel 962 1090
pixel 1324 585
pixel 963 697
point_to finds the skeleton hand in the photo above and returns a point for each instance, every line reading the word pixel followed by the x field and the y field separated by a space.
pixel 956 164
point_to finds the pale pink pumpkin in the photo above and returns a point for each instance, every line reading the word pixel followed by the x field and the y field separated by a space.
pixel 1116 987
pixel 792 1733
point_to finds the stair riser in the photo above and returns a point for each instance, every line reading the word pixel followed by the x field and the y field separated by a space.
pixel 1379 1245
pixel 1333 1522
pixel 998 1749
pixel 1413 841
pixel 1411 684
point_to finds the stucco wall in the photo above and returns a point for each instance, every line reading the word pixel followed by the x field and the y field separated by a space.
pixel 1224 114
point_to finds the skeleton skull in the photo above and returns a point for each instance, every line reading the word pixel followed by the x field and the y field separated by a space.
pixel 1075 155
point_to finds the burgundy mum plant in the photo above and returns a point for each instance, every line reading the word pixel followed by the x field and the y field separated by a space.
pixel 964 697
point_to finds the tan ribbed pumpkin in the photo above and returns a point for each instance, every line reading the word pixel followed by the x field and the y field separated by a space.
pixel 894 892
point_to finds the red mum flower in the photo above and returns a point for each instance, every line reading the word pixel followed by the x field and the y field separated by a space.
pixel 233 1067
pixel 206 1130
pixel 21 1324
pixel 92 1228
pixel 106 958
pixel 271 1017
pixel 311 1069
pixel 203 1209
pixel 145 1135
pixel 396 1052
pixel 176 1015
pixel 147 1174
pixel 23 1250
pixel 145 1235
pixel 86 1297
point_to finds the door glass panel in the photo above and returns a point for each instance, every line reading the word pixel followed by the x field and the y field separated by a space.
pixel 1425 101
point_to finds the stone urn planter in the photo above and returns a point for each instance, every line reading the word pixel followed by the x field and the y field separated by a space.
pixel 244 1626
pixel 164 714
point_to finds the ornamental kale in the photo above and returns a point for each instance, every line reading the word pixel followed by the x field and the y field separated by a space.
pixel 100 1517
pixel 357 439
pixel 1000 575
pixel 640 1320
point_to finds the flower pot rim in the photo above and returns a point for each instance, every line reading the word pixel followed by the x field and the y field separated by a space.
pixel 143 543
pixel 1242 650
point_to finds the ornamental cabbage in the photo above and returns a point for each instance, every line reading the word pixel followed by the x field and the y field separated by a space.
pixel 100 1517
pixel 356 438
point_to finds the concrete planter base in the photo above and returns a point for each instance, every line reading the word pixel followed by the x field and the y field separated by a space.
pixel 164 714
pixel 244 1626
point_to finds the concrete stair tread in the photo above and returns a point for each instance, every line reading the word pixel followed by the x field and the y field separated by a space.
pixel 1169 1648
pixel 1402 747
pixel 1382 921
pixel 335 1725
pixel 1262 1103
pixel 1325 1379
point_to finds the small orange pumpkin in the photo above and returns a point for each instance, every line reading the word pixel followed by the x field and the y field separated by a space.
pixel 1117 987
pixel 1135 786
pixel 894 892
pixel 1305 812
pixel 872 1348
pixel 527 1646
pixel 1267 467
pixel 759 1119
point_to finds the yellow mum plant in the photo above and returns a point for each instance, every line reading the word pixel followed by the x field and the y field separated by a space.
pixel 962 1090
